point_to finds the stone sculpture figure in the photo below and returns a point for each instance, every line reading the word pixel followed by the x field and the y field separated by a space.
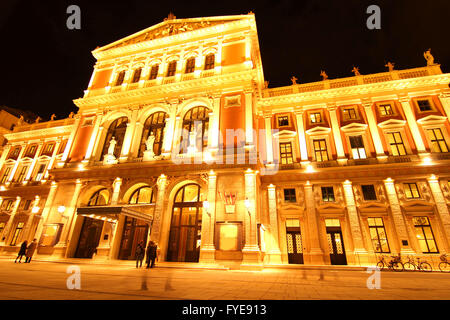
pixel 429 57
pixel 324 75
pixel 112 146
pixel 150 142
pixel 53 116
pixel 294 80
pixel 390 65
pixel 355 70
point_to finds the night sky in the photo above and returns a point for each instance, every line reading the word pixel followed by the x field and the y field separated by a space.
pixel 45 66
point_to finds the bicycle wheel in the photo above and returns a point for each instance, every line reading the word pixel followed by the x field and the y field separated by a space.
pixel 444 266
pixel 398 266
pixel 425 266
pixel 409 266
pixel 380 265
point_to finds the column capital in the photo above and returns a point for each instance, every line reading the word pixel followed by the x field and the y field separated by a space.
pixel 299 110
pixel 388 181
pixel 444 95
pixel 347 183
pixel 433 178
pixel 332 107
pixel 366 102
pixel 271 187
pixel 267 115
pixel 403 98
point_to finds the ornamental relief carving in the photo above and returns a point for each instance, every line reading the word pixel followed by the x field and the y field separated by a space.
pixel 445 190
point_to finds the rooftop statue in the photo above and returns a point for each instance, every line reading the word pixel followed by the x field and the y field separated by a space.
pixel 294 80
pixel 429 57
pixel 355 70
pixel 324 75
pixel 53 116
pixel 390 65
pixel 38 119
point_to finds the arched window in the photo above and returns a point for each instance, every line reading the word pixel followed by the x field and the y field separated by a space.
pixel 171 69
pixel 120 78
pixel 190 65
pixel 196 119
pixel 155 123
pixel 136 75
pixel 99 198
pixel 142 195
pixel 185 226
pixel 154 72
pixel 117 130
pixel 209 61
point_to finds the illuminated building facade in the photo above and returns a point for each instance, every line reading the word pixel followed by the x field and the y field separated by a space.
pixel 178 139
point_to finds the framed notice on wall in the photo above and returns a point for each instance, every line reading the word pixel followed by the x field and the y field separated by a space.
pixel 228 236
pixel 50 235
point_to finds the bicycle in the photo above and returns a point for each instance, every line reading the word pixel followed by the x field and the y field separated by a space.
pixel 410 265
pixel 395 264
pixel 444 265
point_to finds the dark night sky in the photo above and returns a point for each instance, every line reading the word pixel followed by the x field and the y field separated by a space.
pixel 45 65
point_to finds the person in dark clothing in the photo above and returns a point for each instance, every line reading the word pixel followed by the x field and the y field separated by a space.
pixel 30 251
pixel 151 254
pixel 22 251
pixel 140 253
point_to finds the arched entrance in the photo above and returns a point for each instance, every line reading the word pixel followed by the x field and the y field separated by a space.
pixel 185 226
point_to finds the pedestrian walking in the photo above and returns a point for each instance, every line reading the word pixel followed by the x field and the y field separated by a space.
pixel 140 253
pixel 30 251
pixel 22 251
pixel 151 254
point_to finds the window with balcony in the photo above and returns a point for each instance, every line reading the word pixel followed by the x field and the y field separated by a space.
pixel 315 117
pixel 386 110
pixel 209 61
pixel 154 124
pixel 396 142
pixel 154 72
pixel 5 175
pixel 22 173
pixel 357 145
pixel 378 235
pixel 289 195
pixel 424 105
pixel 368 192
pixel 424 235
pixel 190 65
pixel 136 75
pixel 117 130
pixel 411 191
pixel 328 194
pixel 40 172
pixel 437 140
pixel 286 153
pixel 349 114
pixel 320 150
pixel 120 78
pixel 171 69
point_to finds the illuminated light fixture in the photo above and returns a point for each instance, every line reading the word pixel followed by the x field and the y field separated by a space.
pixel 35 209
pixel 433 177
pixel 309 168
pixel 81 167
pixel 427 161
pixel 2 188
pixel 61 209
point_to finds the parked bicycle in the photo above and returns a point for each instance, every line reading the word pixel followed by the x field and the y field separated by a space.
pixel 411 265
pixel 395 264
pixel 444 265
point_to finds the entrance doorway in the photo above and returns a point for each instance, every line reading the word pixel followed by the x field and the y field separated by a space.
pixel 185 227
pixel 294 241
pixel 134 231
pixel 89 238
pixel 335 242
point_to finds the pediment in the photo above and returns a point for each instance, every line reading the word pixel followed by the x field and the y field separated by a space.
pixel 318 130
pixel 285 133
pixel 432 119
pixel 170 26
pixel 44 157
pixel 355 126
pixel 330 208
pixel 291 207
pixel 418 206
pixel 392 123
pixel 373 207
pixel 10 161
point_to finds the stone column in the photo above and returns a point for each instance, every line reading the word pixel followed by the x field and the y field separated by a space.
pixel 269 139
pixel 337 135
pixel 16 164
pixel 398 218
pixel 129 133
pixel 76 126
pixel 316 254
pixel 27 228
pixel 374 131
pixel 301 136
pixel 412 123
pixel 359 249
pixel 9 224
pixel 159 208
pixel 94 134
pixel 46 211
pixel 248 118
pixel 215 132
pixel 442 209
pixel 274 252
pixel 207 251
pixel 116 191
pixel 53 158
pixel 251 253
pixel 445 101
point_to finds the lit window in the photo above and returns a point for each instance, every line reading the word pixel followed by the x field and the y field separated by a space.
pixel 315 117
pixel 289 195
pixel 99 198
pixel 396 142
pixel 155 124
pixel 9 205
pixel 22 173
pixel 357 145
pixel 286 153
pixel 283 121
pixel 2 227
pixel 378 235
pixel 369 192
pixel 328 194
pixel 349 113
pixel 424 105
pixel 438 143
pixel 27 204
pixel 136 75
pixel 154 72
pixel 48 149
pixel 5 175
pixel 40 172
pixel 120 78
pixel 17 233
pixel 209 61
pixel 386 110
pixel 320 150
pixel 190 65
pixel 424 235
pixel 411 191
pixel 142 195
pixel 171 69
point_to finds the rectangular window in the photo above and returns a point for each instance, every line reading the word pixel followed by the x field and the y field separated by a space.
pixel 424 105
pixel 171 69
pixel 154 72
pixel 357 145
pixel 411 191
pixel 48 149
pixel 209 61
pixel 22 173
pixel 315 117
pixel 120 78
pixel 438 143
pixel 369 192
pixel 40 172
pixel 17 233
pixel 283 121
pixel 137 75
pixel 289 195
pixel 424 235
pixel 5 175
pixel 9 205
pixel 386 110
pixel 396 142
pixel 27 204
pixel 320 150
pixel 328 194
pixel 62 147
pixel 190 65
pixel 349 113
pixel 2 227
pixel 286 153
pixel 31 151
pixel 378 235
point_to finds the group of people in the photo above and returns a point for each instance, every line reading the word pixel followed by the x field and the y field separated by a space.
pixel 27 251
pixel 151 253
